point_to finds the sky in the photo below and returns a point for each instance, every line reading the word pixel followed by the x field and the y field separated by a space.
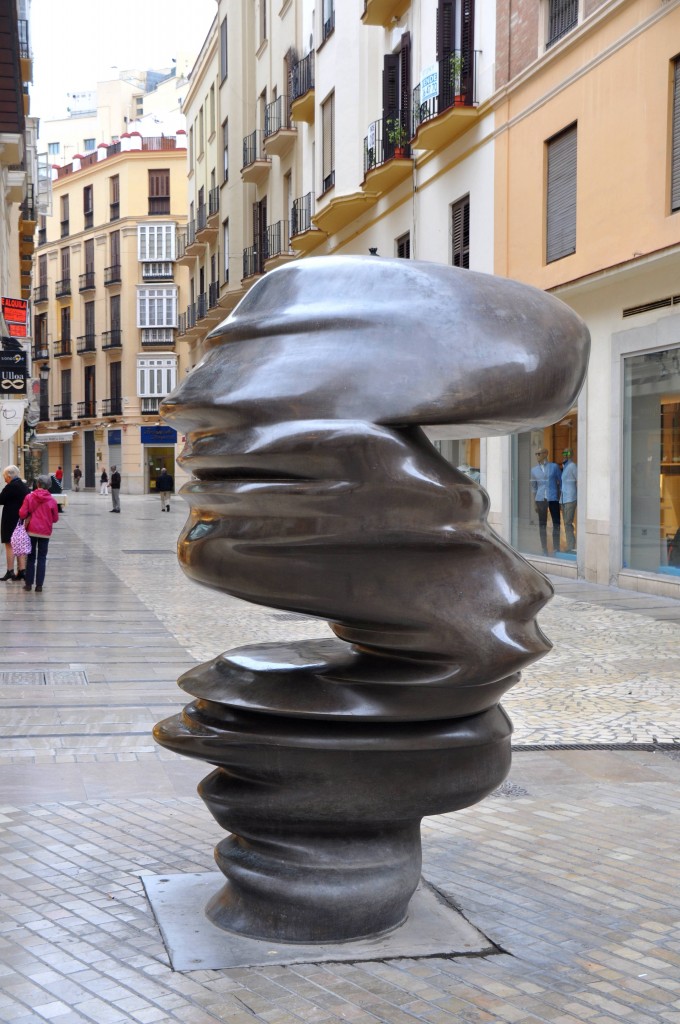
pixel 77 43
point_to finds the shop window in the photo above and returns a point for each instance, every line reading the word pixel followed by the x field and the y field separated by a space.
pixel 545 489
pixel 651 462
pixel 464 455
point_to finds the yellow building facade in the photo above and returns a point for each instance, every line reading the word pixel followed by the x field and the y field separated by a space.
pixel 107 291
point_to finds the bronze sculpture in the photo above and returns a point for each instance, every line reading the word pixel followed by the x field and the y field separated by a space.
pixel 316 490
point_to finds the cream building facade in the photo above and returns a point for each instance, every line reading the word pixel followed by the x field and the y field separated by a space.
pixel 538 139
pixel 106 296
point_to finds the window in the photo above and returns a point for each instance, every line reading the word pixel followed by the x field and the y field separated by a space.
pixel 64 217
pixel 224 64
pixel 159 192
pixel 114 312
pixel 225 249
pixel 561 196
pixel 89 145
pixel 53 148
pixel 88 206
pixel 114 239
pixel 156 242
pixel 651 457
pixel 328 143
pixel 460 233
pixel 263 20
pixel 65 323
pixel 225 150
pixel 191 148
pixel 156 378
pixel 562 17
pixel 328 17
pixel 212 124
pixel 66 394
pixel 675 158
pixel 157 307
pixel 201 131
pixel 540 524
pixel 114 197
pixel 403 246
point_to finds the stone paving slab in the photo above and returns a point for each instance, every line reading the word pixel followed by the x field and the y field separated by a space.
pixel 570 868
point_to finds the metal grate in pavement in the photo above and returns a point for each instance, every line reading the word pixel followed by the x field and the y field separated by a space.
pixel 51 677
pixel 148 551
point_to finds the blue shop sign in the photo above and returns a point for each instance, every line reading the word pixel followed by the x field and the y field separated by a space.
pixel 115 437
pixel 158 435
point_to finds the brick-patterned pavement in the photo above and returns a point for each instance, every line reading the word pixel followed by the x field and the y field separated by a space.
pixel 571 869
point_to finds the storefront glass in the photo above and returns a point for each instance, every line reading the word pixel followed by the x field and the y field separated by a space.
pixel 464 455
pixel 545 489
pixel 651 462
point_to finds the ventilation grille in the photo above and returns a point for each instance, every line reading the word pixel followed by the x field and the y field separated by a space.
pixel 647 307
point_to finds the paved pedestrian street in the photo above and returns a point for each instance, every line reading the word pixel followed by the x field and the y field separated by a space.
pixel 571 869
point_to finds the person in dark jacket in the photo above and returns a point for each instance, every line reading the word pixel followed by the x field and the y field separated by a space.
pixel 11 497
pixel 115 489
pixel 165 485
pixel 41 509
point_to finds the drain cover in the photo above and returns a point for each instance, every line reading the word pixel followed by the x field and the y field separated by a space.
pixel 56 677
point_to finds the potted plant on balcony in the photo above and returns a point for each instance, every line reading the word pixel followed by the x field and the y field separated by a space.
pixel 455 72
pixel 397 135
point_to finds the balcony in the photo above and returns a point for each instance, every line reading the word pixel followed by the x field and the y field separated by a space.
pixel 193 246
pixel 342 210
pixel 26 61
pixel 86 344
pixel 387 154
pixel 256 163
pixel 253 261
pixel 383 12
pixel 28 210
pixel 279 134
pixel 278 245
pixel 87 410
pixel 112 339
pixel 64 224
pixel 112 274
pixel 329 25
pixel 207 224
pixel 158 271
pixel 213 295
pixel 158 337
pixel 62 288
pixel 40 294
pixel 150 406
pixel 86 281
pixel 112 406
pixel 62 411
pixel 214 205
pixel 450 106
pixel 303 236
pixel 202 306
pixel 187 321
pixel 41 350
pixel 302 90
pixel 62 348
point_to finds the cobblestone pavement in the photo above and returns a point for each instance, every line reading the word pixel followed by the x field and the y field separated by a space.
pixel 571 868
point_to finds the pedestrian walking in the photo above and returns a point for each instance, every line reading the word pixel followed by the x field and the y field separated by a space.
pixel 104 482
pixel 165 485
pixel 11 499
pixel 41 511
pixel 115 489
pixel 77 474
pixel 59 475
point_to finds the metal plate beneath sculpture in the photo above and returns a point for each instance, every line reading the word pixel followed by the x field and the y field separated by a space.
pixel 193 943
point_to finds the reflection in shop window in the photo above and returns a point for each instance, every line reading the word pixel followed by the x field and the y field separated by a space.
pixel 545 489
pixel 464 455
pixel 651 462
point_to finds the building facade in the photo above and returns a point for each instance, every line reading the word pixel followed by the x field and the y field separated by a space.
pixel 538 139
pixel 106 298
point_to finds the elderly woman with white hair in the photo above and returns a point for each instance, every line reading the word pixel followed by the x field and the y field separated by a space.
pixel 11 498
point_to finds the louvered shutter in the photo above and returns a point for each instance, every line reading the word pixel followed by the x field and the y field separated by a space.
pixel 561 197
pixel 460 233
pixel 89 256
pixel 445 24
pixel 675 173
pixel 390 85
pixel 405 81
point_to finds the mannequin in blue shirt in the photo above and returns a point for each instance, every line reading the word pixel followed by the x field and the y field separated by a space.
pixel 546 485
pixel 568 498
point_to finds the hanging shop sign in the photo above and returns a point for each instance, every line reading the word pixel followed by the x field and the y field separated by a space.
pixel 13 373
pixel 15 312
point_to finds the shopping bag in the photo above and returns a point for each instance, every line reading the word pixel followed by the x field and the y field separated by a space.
pixel 20 542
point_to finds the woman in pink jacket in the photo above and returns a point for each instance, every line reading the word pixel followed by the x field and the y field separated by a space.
pixel 44 513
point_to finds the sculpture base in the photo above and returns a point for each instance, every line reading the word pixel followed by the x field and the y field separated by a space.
pixel 193 943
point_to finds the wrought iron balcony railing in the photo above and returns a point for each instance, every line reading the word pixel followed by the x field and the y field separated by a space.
pixel 62 411
pixel 87 409
pixel 276 115
pixel 86 343
pixel 213 294
pixel 253 260
pixel 112 338
pixel 277 239
pixel 41 350
pixel 112 274
pixel 252 148
pixel 302 77
pixel 213 202
pixel 112 406
pixel 40 293
pixel 201 217
pixel 86 281
pixel 387 137
pixel 62 347
pixel 456 85
pixel 301 214
pixel 63 287
pixel 202 306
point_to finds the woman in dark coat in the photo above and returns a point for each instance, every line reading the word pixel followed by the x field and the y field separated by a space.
pixel 11 499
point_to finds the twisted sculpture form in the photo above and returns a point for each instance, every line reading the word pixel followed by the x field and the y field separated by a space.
pixel 315 490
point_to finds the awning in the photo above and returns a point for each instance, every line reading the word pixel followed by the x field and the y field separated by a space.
pixel 64 437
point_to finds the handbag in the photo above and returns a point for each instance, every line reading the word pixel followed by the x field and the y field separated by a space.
pixel 20 542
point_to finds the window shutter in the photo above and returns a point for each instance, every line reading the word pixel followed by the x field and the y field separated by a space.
pixel 460 233
pixel 328 111
pixel 445 24
pixel 561 197
pixel 675 172
pixel 404 247
pixel 405 80
pixel 391 85
pixel 563 17
pixel 89 255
